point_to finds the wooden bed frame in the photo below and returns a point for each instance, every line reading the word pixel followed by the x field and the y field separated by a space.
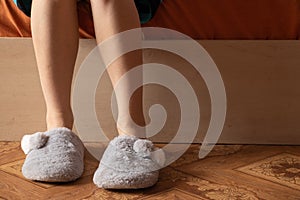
pixel 261 79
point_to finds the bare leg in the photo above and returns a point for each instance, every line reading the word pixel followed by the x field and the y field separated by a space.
pixel 55 38
pixel 112 17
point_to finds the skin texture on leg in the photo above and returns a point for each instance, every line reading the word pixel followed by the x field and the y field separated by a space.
pixel 55 37
pixel 112 17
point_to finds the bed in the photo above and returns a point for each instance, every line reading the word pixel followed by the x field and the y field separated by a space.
pixel 200 19
pixel 255 45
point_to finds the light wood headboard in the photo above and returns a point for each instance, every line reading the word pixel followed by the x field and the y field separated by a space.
pixel 261 79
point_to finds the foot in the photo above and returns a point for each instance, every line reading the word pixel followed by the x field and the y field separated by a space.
pixel 128 163
pixel 53 156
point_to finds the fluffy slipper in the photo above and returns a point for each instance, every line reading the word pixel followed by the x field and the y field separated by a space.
pixel 129 163
pixel 53 156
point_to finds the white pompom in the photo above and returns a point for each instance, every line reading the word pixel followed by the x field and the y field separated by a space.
pixel 146 148
pixel 143 146
pixel 34 141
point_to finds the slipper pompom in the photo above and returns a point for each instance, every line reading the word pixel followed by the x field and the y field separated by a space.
pixel 143 147
pixel 34 141
pixel 146 149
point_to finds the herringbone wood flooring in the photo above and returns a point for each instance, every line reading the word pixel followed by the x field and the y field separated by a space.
pixel 245 172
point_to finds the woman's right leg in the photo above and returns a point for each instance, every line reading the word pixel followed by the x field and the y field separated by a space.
pixel 54 27
pixel 55 39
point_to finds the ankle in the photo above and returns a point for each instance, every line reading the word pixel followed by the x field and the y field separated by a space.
pixel 135 127
pixel 59 119
pixel 132 132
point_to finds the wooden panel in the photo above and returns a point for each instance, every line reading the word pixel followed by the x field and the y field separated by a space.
pixel 262 85
pixel 22 106
pixel 261 80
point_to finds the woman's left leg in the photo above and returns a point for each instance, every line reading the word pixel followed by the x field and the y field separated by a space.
pixel 128 162
pixel 112 17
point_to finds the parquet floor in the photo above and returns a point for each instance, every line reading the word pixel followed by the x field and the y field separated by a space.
pixel 232 172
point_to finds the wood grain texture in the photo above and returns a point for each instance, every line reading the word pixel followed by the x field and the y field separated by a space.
pixel 232 172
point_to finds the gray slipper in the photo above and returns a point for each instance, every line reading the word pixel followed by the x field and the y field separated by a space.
pixel 129 163
pixel 53 156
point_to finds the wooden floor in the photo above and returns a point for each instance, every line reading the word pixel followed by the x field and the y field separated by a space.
pixel 245 172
